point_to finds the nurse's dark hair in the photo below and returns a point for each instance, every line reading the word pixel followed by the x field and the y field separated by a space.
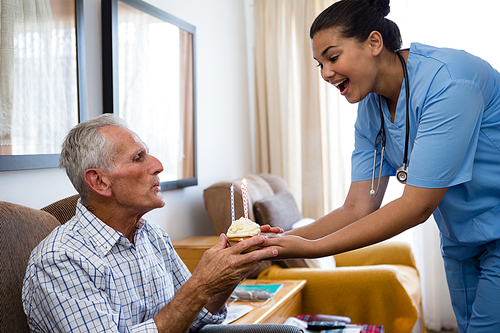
pixel 357 19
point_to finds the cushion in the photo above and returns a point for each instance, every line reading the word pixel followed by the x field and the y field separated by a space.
pixel 278 184
pixel 63 210
pixel 327 262
pixel 258 187
pixel 278 211
pixel 302 222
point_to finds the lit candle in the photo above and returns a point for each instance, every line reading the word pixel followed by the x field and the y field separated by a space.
pixel 244 194
pixel 232 202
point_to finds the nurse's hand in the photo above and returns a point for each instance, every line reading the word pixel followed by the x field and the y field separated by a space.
pixel 268 229
pixel 290 246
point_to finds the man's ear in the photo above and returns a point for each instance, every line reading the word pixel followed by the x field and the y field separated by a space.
pixel 97 182
pixel 376 42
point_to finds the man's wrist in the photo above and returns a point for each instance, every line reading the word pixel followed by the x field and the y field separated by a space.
pixel 199 290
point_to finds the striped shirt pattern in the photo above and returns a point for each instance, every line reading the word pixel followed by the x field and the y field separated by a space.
pixel 87 277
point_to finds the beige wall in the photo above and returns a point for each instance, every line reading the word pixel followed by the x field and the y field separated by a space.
pixel 223 114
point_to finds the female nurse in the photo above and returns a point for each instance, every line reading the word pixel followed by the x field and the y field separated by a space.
pixel 442 107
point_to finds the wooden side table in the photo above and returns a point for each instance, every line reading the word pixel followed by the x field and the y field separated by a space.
pixel 190 249
pixel 286 303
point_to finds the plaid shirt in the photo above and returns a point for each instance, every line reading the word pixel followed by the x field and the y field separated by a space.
pixel 87 277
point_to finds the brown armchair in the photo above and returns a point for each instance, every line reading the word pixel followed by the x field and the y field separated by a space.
pixel 21 229
pixel 377 285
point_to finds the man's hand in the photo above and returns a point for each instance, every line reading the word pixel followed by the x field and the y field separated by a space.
pixel 221 268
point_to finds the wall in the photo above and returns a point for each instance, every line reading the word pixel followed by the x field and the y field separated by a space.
pixel 222 117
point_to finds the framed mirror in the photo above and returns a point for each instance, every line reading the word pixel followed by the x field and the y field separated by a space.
pixel 149 80
pixel 42 93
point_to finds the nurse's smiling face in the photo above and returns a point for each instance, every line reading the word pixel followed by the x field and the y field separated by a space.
pixel 345 63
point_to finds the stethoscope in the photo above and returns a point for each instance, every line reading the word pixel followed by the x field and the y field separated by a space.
pixel 402 172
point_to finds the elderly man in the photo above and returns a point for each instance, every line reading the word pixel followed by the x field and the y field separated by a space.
pixel 109 270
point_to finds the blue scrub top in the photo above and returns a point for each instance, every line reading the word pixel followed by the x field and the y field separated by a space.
pixel 454 142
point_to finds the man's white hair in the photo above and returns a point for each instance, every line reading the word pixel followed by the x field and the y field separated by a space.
pixel 85 147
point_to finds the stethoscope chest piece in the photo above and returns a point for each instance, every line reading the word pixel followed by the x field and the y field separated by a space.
pixel 402 174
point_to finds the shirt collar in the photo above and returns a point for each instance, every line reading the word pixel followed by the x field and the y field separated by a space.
pixel 102 234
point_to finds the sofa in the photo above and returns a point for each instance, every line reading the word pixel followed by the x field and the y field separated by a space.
pixel 376 285
pixel 21 229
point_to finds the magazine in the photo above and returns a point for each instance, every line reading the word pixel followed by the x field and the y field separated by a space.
pixel 236 312
pixel 255 292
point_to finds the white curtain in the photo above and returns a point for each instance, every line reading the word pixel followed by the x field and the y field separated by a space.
pixel 291 123
pixel 38 99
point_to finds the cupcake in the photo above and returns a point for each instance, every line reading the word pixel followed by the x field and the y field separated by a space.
pixel 242 229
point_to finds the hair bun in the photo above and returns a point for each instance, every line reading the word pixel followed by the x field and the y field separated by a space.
pixel 381 6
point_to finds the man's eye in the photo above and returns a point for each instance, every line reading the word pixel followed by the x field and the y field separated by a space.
pixel 319 65
pixel 333 59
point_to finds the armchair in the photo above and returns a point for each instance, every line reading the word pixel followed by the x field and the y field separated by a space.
pixel 377 285
pixel 21 229
pixel 376 294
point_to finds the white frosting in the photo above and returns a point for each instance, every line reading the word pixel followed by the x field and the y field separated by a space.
pixel 243 228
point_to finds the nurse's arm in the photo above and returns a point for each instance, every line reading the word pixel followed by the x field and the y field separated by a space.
pixel 412 208
pixel 358 204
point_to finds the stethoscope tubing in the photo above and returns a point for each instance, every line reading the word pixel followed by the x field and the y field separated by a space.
pixel 407 93
pixel 402 172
